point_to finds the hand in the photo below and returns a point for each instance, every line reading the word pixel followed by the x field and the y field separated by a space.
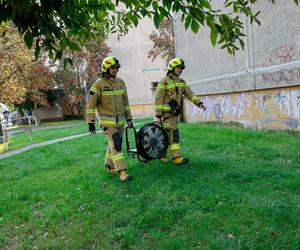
pixel 201 105
pixel 92 128
pixel 129 124
pixel 159 119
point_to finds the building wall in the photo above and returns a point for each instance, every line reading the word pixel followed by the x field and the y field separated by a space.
pixel 270 64
pixel 259 109
pixel 137 70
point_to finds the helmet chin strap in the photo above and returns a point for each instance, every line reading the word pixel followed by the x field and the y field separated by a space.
pixel 111 75
pixel 108 75
pixel 174 73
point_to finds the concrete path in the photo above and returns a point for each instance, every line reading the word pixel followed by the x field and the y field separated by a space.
pixel 40 144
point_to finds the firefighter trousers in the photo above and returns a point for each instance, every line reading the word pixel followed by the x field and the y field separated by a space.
pixel 173 142
pixel 170 126
pixel 114 156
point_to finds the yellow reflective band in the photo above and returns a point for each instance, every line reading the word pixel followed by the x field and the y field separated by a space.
pixel 110 122
pixel 90 111
pixel 113 92
pixel 195 98
pixel 180 84
pixel 117 157
pixel 160 86
pixel 171 86
pixel 158 107
pixel 174 147
pixel 95 90
pixel 162 107
pixel 109 156
pixel 177 84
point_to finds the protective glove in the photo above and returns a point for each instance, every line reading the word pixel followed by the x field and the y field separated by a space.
pixel 201 105
pixel 129 123
pixel 159 118
pixel 92 128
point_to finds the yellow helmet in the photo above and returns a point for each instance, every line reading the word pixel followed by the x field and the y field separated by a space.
pixel 176 62
pixel 108 62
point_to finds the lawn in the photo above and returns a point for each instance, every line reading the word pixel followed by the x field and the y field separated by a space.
pixel 240 190
pixel 46 134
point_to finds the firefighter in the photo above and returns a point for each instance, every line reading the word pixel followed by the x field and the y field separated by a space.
pixel 108 96
pixel 168 99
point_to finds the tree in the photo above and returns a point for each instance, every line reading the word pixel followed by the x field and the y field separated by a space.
pixel 78 78
pixel 59 24
pixel 163 41
pixel 38 82
pixel 14 61
pixel 21 79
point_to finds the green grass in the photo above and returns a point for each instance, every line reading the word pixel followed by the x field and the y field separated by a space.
pixel 58 123
pixel 241 190
pixel 22 139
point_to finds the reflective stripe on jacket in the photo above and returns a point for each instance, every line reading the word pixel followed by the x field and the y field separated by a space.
pixel 172 87
pixel 109 98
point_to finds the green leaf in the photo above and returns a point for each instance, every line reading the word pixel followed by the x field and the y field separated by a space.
pixel 227 4
pixel 187 22
pixel 28 39
pixel 235 8
pixel 58 54
pixel 156 19
pixel 67 61
pixel 167 4
pixel 182 17
pixel 242 44
pixel 37 52
pixel 163 11
pixel 135 20
pixel 74 46
pixel 62 44
pixel 206 4
pixel 155 6
pixel 213 36
pixel 194 2
pixel 143 12
pixel 176 6
pixel 65 64
pixel 50 54
pixel 195 26
pixel 296 2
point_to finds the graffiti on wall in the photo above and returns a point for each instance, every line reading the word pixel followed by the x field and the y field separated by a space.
pixel 281 55
pixel 221 106
pixel 257 109
pixel 225 105
pixel 218 112
pixel 288 102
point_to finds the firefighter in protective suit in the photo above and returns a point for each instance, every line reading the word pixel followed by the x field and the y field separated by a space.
pixel 108 96
pixel 168 99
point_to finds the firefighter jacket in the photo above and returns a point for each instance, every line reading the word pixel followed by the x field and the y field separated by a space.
pixel 172 88
pixel 108 96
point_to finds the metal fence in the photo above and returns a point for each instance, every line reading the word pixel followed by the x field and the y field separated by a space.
pixel 5 125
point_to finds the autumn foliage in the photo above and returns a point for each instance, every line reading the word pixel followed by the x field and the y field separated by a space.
pixel 21 78
pixel 163 41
